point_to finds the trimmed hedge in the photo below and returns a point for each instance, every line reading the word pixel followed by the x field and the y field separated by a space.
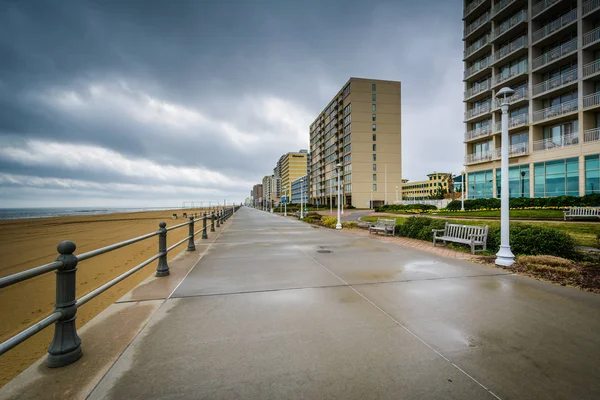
pixel 524 239
pixel 590 200
pixel 405 207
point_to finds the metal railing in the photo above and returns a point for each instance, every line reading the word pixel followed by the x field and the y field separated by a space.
pixel 66 345
pixel 520 94
pixel 591 135
pixel 590 6
pixel 591 37
pixel 474 112
pixel 591 100
pixel 503 78
pixel 513 122
pixel 501 5
pixel 554 54
pixel 513 150
pixel 555 111
pixel 553 26
pixel 485 40
pixel 478 133
pixel 561 80
pixel 541 6
pixel 477 23
pixel 481 87
pixel 469 8
pixel 510 23
pixel 479 157
pixel 513 46
pixel 556 143
pixel 485 63
pixel 591 68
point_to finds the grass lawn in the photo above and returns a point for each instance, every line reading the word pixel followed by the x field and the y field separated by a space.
pixel 516 214
pixel 584 234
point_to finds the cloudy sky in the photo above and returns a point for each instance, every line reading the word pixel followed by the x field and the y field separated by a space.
pixel 151 103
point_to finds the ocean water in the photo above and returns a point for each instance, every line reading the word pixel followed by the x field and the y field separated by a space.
pixel 20 213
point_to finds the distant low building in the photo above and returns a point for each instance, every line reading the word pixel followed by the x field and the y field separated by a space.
pixel 300 190
pixel 431 186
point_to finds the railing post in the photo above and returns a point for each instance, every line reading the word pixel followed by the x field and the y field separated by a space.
pixel 204 233
pixel 66 345
pixel 191 245
pixel 218 218
pixel 212 221
pixel 163 268
pixel 222 217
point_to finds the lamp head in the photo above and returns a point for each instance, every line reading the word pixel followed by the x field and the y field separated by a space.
pixel 504 93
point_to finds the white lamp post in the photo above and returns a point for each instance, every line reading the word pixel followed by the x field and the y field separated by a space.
pixel 339 221
pixel 462 199
pixel 285 202
pixel 504 257
pixel 301 196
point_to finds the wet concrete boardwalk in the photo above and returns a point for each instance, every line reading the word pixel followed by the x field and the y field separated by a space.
pixel 277 309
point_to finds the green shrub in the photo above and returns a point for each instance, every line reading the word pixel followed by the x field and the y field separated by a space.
pixel 315 216
pixel 405 207
pixel 310 220
pixel 329 222
pixel 420 227
pixel 590 200
pixel 349 224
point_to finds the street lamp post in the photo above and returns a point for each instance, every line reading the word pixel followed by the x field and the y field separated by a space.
pixel 339 220
pixel 504 257
pixel 285 202
pixel 301 195
pixel 522 183
pixel 463 186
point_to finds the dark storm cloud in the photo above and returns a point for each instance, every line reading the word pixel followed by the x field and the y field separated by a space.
pixel 215 86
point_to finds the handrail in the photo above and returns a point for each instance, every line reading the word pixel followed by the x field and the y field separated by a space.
pixel 541 6
pixel 590 6
pixel 553 26
pixel 66 345
pixel 554 54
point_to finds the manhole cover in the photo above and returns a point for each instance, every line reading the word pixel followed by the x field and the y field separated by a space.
pixel 324 251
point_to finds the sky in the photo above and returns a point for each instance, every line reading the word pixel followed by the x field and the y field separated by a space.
pixel 153 103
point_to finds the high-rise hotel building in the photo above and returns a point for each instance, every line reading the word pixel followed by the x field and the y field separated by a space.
pixel 548 52
pixel 359 129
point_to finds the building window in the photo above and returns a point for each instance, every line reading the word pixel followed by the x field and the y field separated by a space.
pixel 518 181
pixel 556 178
pixel 374 97
pixel 374 177
pixel 592 174
pixel 374 147
pixel 374 117
pixel 374 127
pixel 374 157
pixel 374 167
pixel 374 107
pixel 374 137
pixel 374 187
pixel 373 87
pixel 481 185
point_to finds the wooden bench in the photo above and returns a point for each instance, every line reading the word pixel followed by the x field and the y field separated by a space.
pixel 383 225
pixel 582 212
pixel 472 235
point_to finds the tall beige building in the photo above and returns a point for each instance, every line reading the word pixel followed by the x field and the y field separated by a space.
pixel 359 129
pixel 549 52
pixel 291 166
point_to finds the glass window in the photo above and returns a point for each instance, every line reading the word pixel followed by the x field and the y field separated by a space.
pixel 373 87
pixel 374 157
pixel 374 177
pixel 374 147
pixel 374 117
pixel 374 137
pixel 374 97
pixel 374 187
pixel 374 167
pixel 592 174
pixel 374 127
pixel 374 107
pixel 557 178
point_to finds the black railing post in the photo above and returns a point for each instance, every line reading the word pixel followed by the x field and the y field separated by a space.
pixel 191 245
pixel 66 345
pixel 204 233
pixel 218 218
pixel 212 221
pixel 163 268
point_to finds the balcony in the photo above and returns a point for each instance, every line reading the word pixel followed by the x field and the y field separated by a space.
pixel 513 150
pixel 589 6
pixel 555 111
pixel 479 22
pixel 509 24
pixel 472 7
pixel 501 6
pixel 503 79
pixel 542 6
pixel 555 83
pixel 482 65
pixel 591 69
pixel 479 157
pixel 478 133
pixel 554 26
pixel 555 54
pixel 591 37
pixel 513 122
pixel 479 44
pixel 510 48
pixel 475 112
pixel 556 143
pixel 478 89
pixel 591 135
pixel 592 100
pixel 520 94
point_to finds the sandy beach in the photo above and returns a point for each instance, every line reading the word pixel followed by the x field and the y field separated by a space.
pixel 27 243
